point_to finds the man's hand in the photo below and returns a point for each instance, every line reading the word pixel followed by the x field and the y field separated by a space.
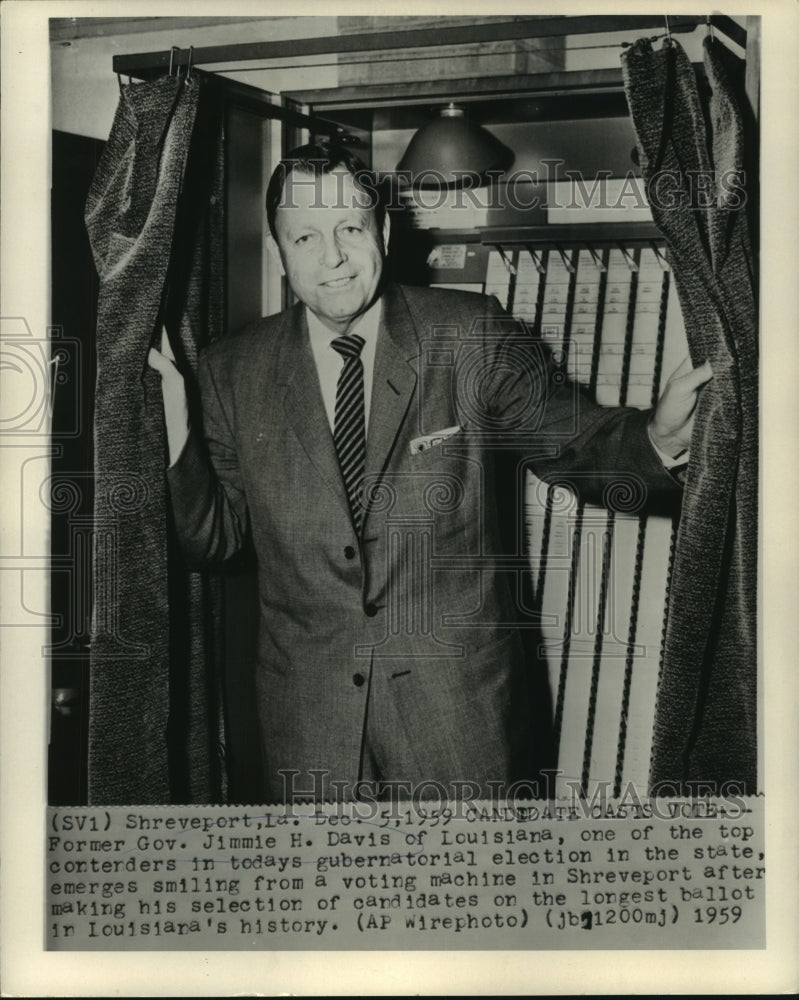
pixel 673 420
pixel 176 411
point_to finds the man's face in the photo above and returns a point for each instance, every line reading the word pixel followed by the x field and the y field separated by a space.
pixel 329 245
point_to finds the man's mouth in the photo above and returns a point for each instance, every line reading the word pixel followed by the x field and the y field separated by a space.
pixel 338 282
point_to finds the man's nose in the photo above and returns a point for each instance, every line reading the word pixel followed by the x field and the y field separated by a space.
pixel 332 251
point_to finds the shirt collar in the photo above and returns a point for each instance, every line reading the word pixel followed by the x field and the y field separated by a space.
pixel 366 326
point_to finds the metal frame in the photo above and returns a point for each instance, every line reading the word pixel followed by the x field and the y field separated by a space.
pixel 261 102
pixel 556 83
pixel 147 64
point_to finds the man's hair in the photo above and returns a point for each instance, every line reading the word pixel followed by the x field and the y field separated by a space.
pixel 319 159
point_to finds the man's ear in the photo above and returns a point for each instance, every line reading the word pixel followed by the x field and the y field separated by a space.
pixel 274 250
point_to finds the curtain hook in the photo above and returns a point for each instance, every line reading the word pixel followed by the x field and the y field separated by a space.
pixel 172 52
pixel 668 29
pixel 119 81
pixel 709 27
pixel 191 56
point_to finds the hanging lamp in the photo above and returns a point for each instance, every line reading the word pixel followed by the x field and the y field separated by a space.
pixel 447 148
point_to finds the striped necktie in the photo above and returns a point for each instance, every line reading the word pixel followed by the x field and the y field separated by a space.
pixel 349 424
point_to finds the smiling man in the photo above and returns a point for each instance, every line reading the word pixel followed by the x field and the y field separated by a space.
pixel 333 259
pixel 355 436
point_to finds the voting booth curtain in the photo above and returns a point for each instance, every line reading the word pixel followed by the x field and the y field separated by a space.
pixel 691 155
pixel 154 218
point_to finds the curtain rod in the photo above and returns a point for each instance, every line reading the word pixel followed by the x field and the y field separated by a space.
pixel 263 103
pixel 146 64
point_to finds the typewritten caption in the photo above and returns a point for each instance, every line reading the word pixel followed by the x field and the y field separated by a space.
pixel 665 874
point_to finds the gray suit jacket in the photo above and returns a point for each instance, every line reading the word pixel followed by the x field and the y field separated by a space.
pixel 418 616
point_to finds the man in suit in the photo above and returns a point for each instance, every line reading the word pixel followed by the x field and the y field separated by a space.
pixel 356 436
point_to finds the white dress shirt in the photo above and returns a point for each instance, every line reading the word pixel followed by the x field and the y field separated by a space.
pixel 329 362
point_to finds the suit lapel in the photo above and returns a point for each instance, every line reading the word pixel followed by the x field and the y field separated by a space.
pixel 304 406
pixel 393 381
pixel 393 385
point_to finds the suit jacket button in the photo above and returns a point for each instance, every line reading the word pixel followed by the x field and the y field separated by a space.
pixel 371 610
pixel 358 679
pixel 349 552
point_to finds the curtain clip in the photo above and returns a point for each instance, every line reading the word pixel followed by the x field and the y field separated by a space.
pixel 172 52
pixel 188 68
pixel 668 27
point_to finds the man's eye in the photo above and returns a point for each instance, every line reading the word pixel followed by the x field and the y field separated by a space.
pixel 352 229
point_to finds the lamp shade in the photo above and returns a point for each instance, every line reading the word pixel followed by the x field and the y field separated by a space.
pixel 448 147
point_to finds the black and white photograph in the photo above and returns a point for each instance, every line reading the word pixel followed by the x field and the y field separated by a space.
pixel 385 468
pixel 328 579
